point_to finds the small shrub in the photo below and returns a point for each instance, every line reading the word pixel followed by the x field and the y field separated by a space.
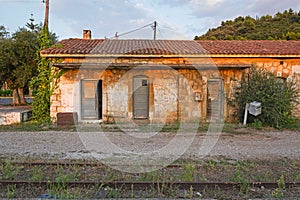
pixel 277 97
pixel 5 93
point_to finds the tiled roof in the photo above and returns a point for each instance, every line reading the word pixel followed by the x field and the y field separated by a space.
pixel 258 47
pixel 174 47
pixel 148 47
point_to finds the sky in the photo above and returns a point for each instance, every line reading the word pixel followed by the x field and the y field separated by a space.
pixel 176 19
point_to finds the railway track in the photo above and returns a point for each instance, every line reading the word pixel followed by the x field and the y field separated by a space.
pixel 100 179
pixel 143 184
pixel 96 164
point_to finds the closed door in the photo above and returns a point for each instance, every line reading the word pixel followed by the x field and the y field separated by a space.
pixel 140 97
pixel 91 99
pixel 215 106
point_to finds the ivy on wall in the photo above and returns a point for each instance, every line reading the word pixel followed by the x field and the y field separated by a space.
pixel 45 82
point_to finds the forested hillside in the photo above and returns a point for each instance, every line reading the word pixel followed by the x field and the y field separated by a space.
pixel 282 26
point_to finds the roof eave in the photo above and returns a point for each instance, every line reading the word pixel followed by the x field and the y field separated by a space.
pixel 124 55
pixel 147 66
pixel 170 55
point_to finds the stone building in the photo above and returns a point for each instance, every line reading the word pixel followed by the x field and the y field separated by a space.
pixel 160 81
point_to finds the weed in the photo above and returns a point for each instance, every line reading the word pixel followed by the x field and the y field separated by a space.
pixel 257 124
pixel 111 175
pixel 11 191
pixel 278 192
pixel 9 171
pixel 189 194
pixel 295 173
pixel 112 193
pixel 56 189
pixel 211 163
pixel 60 191
pixel 62 176
pixel 188 173
pixel 267 177
pixel 212 192
pixel 132 191
pixel 37 174
pixel 163 187
pixel 238 176
pixel 153 176
pixel 202 177
pixel 281 183
pixel 293 125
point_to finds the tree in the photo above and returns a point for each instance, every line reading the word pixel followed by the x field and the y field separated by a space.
pixel 3 32
pixel 26 46
pixel 277 97
pixel 18 57
pixel 283 26
pixel 18 65
pixel 7 59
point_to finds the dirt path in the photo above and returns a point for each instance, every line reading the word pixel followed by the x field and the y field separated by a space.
pixel 261 145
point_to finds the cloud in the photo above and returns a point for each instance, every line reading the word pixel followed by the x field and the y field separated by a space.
pixel 102 16
pixel 190 17
pixel 273 6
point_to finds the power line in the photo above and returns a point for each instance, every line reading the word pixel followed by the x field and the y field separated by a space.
pixel 116 36
pixel 20 1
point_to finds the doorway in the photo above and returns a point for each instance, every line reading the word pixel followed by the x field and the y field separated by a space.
pixel 91 99
pixel 140 97
pixel 215 107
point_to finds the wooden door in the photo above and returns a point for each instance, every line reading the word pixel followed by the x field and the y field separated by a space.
pixel 215 107
pixel 140 97
pixel 91 99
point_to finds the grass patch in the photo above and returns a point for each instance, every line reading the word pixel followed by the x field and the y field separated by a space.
pixel 32 126
pixel 232 128
pixel 293 125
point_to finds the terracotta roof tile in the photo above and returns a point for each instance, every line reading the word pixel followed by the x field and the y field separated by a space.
pixel 174 47
pixel 258 47
pixel 148 47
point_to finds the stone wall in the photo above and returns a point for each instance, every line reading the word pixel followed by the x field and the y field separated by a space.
pixel 15 115
pixel 174 94
pixel 296 78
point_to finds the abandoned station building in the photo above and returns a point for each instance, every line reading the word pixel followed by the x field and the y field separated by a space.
pixel 160 80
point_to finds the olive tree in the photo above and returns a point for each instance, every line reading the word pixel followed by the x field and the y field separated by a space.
pixel 18 61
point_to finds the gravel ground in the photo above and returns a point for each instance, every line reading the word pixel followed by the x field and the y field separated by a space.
pixel 68 145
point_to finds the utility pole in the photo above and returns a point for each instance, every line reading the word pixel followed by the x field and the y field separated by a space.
pixel 46 22
pixel 154 29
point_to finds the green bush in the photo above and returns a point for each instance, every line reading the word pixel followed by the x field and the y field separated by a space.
pixel 277 97
pixel 5 93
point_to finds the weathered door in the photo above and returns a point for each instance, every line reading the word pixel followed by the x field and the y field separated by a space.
pixel 140 97
pixel 215 103
pixel 91 99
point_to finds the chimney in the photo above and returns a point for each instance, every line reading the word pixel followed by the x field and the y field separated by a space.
pixel 87 34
